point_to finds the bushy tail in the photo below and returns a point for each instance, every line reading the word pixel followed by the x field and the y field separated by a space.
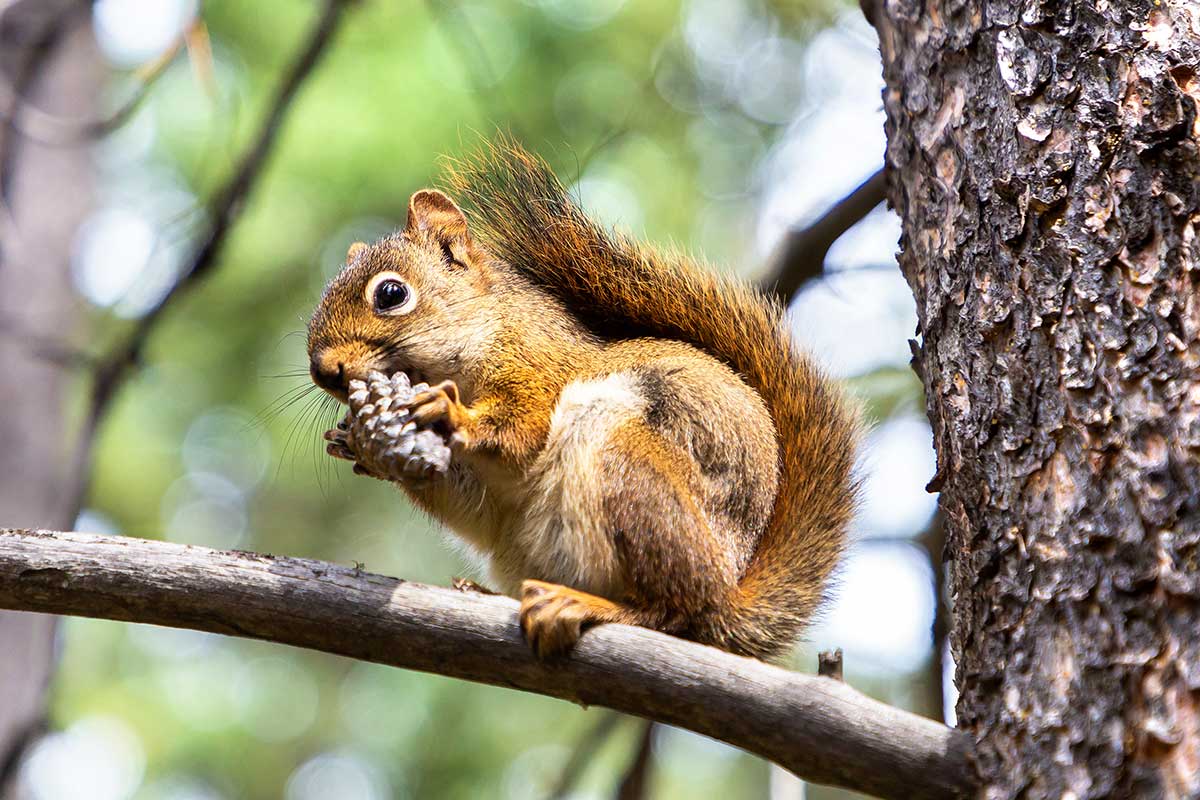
pixel 523 215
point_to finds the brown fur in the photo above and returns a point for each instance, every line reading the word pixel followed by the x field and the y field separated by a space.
pixel 636 439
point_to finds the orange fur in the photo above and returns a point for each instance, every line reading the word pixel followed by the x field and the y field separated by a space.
pixel 636 435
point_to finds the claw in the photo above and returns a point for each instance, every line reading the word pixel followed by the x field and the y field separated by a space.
pixel 438 408
pixel 468 585
pixel 553 617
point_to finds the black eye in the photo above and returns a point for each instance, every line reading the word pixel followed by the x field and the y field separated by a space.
pixel 390 294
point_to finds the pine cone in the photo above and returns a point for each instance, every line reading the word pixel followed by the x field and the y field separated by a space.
pixel 377 435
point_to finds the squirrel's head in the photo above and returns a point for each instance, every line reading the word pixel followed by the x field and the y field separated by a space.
pixel 405 303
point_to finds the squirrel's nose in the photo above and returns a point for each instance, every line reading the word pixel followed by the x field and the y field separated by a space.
pixel 328 372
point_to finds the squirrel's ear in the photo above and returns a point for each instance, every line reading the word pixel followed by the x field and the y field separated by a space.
pixel 354 250
pixel 432 211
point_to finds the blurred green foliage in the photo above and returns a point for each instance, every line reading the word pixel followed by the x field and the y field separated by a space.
pixel 195 451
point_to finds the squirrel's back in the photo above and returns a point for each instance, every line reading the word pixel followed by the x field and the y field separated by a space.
pixel 523 215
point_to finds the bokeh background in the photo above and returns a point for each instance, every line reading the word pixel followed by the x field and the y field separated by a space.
pixel 715 124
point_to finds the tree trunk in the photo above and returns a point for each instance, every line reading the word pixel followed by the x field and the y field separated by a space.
pixel 1043 155
pixel 47 54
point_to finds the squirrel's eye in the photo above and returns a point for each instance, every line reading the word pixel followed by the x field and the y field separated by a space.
pixel 390 295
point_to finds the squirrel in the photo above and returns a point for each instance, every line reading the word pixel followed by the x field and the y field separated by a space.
pixel 635 439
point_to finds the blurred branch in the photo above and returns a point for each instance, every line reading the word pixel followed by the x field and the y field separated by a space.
pixel 42 51
pixel 635 784
pixel 820 729
pixel 801 255
pixel 933 540
pixel 50 129
pixel 225 207
pixel 871 10
pixel 581 756
pixel 49 25
pixel 48 348
pixel 21 742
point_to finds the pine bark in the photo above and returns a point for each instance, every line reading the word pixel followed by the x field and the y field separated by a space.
pixel 1045 159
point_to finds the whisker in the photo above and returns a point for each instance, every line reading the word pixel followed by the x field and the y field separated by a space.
pixel 319 423
pixel 326 417
pixel 293 430
pixel 279 405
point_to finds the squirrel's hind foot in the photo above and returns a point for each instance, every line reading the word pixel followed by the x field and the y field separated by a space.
pixel 553 617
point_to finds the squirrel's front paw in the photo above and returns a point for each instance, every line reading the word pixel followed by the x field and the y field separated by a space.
pixel 439 409
pixel 380 437
pixel 339 442
pixel 339 447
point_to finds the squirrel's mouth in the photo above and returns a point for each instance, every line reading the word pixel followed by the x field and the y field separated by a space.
pixel 332 367
pixel 391 366
pixel 330 376
pixel 335 379
pixel 338 393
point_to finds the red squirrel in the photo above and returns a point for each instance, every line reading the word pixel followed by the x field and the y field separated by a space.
pixel 633 438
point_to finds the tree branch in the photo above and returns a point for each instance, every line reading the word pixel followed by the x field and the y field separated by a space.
pixel 43 28
pixel 934 542
pixel 821 729
pixel 635 783
pixel 49 129
pixel 801 255
pixel 585 749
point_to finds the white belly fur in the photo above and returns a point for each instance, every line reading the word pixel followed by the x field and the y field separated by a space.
pixel 560 536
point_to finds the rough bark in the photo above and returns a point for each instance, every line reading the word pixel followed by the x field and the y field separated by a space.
pixel 819 728
pixel 47 54
pixel 1045 158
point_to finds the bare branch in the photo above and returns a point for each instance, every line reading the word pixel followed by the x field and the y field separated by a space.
pixel 635 784
pixel 820 729
pixel 581 756
pixel 934 542
pixel 22 66
pixel 49 129
pixel 801 255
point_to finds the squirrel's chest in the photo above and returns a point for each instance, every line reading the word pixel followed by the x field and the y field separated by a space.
pixel 558 530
